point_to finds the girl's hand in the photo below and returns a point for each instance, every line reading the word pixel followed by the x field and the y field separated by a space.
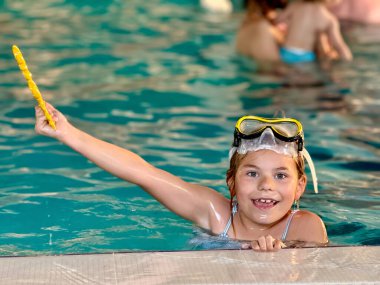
pixel 264 243
pixel 42 127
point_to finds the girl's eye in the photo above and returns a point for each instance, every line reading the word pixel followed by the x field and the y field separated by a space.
pixel 252 173
pixel 281 176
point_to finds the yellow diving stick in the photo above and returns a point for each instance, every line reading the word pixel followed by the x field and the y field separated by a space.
pixel 32 85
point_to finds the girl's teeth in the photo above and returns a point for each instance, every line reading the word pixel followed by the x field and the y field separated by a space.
pixel 265 201
pixel 264 204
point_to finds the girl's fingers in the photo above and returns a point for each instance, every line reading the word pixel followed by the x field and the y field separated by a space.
pixel 255 245
pixel 54 113
pixel 262 243
pixel 269 242
pixel 50 107
pixel 40 116
pixel 278 245
pixel 42 126
pixel 266 243
pixel 38 111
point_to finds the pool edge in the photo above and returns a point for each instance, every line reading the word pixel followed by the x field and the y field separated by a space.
pixel 329 265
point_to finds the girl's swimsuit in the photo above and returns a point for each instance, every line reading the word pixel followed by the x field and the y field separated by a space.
pixel 205 240
pixel 234 211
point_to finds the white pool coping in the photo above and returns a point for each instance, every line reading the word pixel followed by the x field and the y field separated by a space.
pixel 332 265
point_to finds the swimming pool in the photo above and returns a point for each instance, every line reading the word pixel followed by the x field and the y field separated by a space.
pixel 162 78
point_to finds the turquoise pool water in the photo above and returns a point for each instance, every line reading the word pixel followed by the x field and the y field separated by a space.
pixel 162 78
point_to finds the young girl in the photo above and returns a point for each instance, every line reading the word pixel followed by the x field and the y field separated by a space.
pixel 266 177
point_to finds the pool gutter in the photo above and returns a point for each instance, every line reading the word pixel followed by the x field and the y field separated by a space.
pixel 330 265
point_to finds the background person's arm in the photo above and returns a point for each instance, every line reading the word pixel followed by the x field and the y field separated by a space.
pixel 337 42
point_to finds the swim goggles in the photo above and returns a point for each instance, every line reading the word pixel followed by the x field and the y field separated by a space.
pixel 284 129
pixel 282 135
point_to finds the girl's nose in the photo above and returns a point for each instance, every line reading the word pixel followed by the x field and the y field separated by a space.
pixel 266 183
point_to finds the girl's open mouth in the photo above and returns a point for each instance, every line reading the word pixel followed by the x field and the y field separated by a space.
pixel 264 203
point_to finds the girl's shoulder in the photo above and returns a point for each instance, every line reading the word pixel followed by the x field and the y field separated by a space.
pixel 305 214
pixel 308 226
pixel 307 219
pixel 215 208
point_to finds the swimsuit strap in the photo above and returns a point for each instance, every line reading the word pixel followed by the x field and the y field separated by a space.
pixel 285 233
pixel 233 212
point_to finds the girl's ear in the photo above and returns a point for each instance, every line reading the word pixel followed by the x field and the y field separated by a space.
pixel 301 185
pixel 231 186
pixel 230 183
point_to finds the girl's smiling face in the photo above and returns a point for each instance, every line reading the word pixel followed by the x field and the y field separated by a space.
pixel 266 186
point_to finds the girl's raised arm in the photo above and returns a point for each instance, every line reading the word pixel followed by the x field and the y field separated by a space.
pixel 193 202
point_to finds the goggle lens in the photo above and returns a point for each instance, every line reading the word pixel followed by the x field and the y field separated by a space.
pixel 286 129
